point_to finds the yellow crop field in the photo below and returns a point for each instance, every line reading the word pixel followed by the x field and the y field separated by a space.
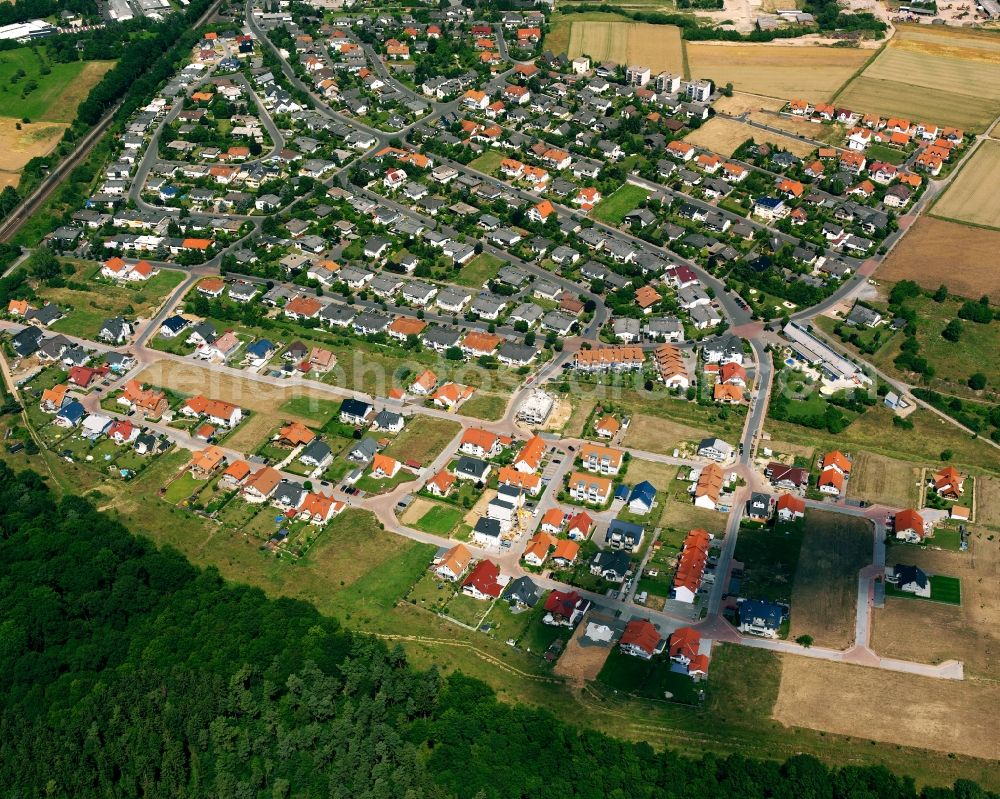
pixel 972 196
pixel 723 136
pixel 658 47
pixel 948 77
pixel 777 70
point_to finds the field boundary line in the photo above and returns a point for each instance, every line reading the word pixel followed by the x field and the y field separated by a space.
pixel 860 70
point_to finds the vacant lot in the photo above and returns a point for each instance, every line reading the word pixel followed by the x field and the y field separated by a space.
pixel 921 445
pixel 776 70
pixel 479 271
pixel 970 197
pixel 934 251
pixel 88 309
pixel 52 97
pixel 988 501
pixel 581 664
pixel 884 481
pixel 658 47
pixel 967 632
pixel 33 140
pixel 423 439
pixel 654 434
pixel 611 210
pixel 724 136
pixel 481 405
pixel 945 715
pixel 949 77
pixel 830 133
pixel 265 400
pixel 743 102
pixel 834 549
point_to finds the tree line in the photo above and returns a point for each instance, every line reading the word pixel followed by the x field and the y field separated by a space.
pixel 127 672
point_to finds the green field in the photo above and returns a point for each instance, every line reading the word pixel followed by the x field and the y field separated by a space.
pixel 611 210
pixel 315 408
pixel 56 94
pixel 479 271
pixel 439 520
pixel 488 162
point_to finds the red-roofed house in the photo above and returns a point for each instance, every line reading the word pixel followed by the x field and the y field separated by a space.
pixel 641 639
pixel 483 581
pixel 564 608
pixel 909 526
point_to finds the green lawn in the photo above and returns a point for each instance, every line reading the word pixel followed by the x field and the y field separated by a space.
pixel 370 485
pixel 55 95
pixel 182 488
pixel 652 679
pixel 468 610
pixel 479 270
pixel 488 162
pixel 439 520
pixel 880 152
pixel 611 210
pixel 314 408
pixel 943 589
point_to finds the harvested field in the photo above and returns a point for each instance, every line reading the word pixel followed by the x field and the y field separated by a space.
pixel 943 715
pixel 835 548
pixel 777 70
pixel 658 47
pixel 655 434
pixel 947 77
pixel 17 147
pixel 934 251
pixel 884 481
pixel 971 197
pixel 724 136
pixel 743 102
pixel 988 501
pixel 967 632
pixel 581 664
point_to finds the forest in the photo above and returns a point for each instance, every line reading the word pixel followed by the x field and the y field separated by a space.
pixel 127 672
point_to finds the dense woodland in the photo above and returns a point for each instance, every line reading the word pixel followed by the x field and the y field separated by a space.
pixel 126 672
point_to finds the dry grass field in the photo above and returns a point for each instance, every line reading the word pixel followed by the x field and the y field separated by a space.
pixel 777 70
pixel 35 139
pixel 743 102
pixel 723 136
pixel 934 251
pixel 883 481
pixel 968 632
pixel 827 133
pixel 988 501
pixel 578 419
pixel 658 47
pixel 661 475
pixel 944 715
pixel 655 434
pixel 941 75
pixel 972 195
pixel 824 596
